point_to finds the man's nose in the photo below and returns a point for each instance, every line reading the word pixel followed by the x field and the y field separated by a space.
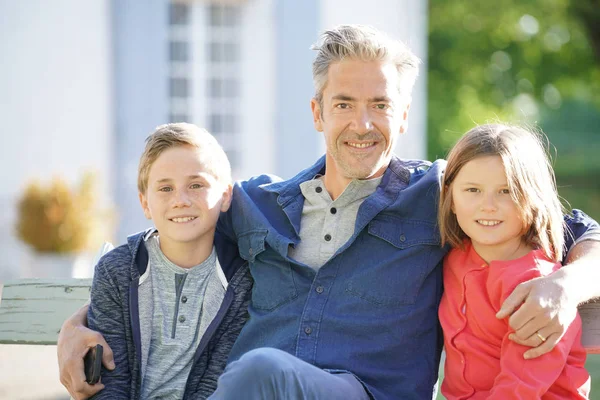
pixel 362 121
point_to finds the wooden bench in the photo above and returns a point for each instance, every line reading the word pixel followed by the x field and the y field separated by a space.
pixel 33 310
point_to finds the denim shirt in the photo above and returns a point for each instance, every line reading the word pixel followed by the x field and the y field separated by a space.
pixel 370 310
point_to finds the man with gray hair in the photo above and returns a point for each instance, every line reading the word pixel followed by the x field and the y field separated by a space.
pixel 346 255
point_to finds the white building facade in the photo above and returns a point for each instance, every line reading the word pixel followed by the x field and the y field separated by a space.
pixel 86 82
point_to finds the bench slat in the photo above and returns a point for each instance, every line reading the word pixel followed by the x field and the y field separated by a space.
pixel 590 337
pixel 33 310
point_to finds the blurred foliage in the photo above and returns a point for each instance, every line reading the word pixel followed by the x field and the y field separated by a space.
pixel 523 61
pixel 57 219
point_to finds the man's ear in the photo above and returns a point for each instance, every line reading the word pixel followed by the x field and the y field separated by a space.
pixel 226 198
pixel 144 203
pixel 404 126
pixel 316 112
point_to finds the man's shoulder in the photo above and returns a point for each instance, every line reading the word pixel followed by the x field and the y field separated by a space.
pixel 258 181
pixel 423 171
pixel 421 167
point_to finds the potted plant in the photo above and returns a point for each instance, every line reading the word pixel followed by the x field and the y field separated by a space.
pixel 60 224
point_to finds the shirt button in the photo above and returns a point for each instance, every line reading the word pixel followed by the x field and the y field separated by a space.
pixel 328 237
pixel 308 330
pixel 320 289
pixel 184 299
pixel 333 210
pixel 402 238
pixel 181 318
pixel 318 189
pixel 250 251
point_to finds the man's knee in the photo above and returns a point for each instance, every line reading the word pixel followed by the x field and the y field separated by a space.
pixel 266 362
pixel 262 373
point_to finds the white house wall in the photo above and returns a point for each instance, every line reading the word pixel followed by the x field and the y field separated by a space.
pixel 258 106
pixel 56 113
pixel 141 103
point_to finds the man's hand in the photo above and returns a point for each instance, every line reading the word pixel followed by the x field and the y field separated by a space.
pixel 540 312
pixel 74 340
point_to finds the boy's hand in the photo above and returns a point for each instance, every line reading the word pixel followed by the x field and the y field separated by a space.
pixel 74 340
pixel 540 312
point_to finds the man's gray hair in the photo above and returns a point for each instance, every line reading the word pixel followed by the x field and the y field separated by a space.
pixel 364 43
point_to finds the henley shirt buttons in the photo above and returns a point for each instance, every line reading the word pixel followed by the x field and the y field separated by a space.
pixel 328 237
pixel 181 318
pixel 184 299
pixel 333 210
pixel 402 238
pixel 307 330
pixel 318 189
pixel 319 289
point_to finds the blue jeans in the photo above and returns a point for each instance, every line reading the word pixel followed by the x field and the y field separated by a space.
pixel 267 373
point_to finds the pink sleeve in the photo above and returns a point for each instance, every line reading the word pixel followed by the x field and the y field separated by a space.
pixel 520 378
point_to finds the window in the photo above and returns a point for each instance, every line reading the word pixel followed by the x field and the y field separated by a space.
pixel 179 87
pixel 223 88
pixel 223 52
pixel 179 51
pixel 223 123
pixel 222 15
pixel 179 14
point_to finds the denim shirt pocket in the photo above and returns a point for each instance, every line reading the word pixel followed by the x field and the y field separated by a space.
pixel 396 274
pixel 273 279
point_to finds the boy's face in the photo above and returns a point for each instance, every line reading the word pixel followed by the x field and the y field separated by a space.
pixel 183 199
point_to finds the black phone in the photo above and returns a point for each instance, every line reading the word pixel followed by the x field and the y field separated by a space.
pixel 93 364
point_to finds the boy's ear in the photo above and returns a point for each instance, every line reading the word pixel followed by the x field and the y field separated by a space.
pixel 144 203
pixel 226 198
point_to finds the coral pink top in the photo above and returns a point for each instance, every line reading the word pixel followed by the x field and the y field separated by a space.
pixel 481 362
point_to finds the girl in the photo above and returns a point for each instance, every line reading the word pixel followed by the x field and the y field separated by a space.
pixel 500 212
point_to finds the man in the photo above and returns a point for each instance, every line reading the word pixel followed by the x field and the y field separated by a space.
pixel 346 256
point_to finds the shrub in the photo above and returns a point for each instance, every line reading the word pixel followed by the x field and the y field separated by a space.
pixel 57 219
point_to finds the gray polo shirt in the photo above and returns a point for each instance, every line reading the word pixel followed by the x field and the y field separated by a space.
pixel 328 224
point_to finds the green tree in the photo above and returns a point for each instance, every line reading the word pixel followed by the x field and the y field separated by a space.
pixel 525 61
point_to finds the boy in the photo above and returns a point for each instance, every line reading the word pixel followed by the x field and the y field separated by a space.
pixel 162 301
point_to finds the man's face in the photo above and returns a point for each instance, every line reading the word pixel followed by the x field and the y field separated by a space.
pixel 362 114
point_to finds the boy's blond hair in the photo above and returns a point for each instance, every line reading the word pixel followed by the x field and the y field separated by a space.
pixel 530 179
pixel 183 134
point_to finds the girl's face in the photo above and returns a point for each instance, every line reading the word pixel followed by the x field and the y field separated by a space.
pixel 485 210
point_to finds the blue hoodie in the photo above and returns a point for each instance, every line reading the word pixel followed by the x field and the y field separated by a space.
pixel 114 312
